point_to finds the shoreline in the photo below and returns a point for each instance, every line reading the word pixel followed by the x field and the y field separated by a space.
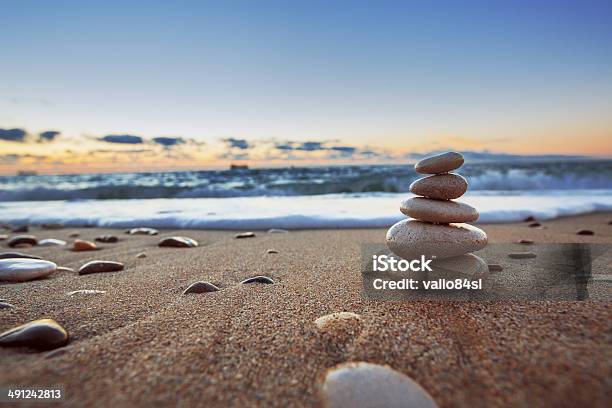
pixel 143 343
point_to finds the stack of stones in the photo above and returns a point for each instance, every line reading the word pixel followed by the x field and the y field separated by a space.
pixel 438 230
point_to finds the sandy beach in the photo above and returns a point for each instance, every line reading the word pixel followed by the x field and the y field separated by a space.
pixel 144 343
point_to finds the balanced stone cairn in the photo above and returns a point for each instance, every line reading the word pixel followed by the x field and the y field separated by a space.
pixel 438 230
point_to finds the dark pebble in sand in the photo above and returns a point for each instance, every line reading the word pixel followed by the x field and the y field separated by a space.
pixel 44 334
pixel 258 279
pixel 4 305
pixel 535 224
pixel 530 218
pixel 109 239
pixel 3 237
pixel 245 235
pixel 21 228
pixel 141 255
pixel 585 232
pixel 74 235
pixel 495 268
pixel 100 266
pixel 8 255
pixel 271 251
pixel 526 241
pixel 52 226
pixel 522 255
pixel 200 287
pixel 178 242
pixel 22 239
pixel 142 231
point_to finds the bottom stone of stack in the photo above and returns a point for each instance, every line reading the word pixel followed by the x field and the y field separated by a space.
pixel 409 239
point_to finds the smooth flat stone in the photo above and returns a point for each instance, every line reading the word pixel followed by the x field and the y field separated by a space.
pixel 81 245
pixel 22 239
pixel 64 269
pixel 245 235
pixel 585 232
pixel 142 231
pixel 361 385
pixel 141 255
pixel 99 267
pixel 4 305
pixel 441 163
pixel 25 269
pixel 178 242
pixel 44 334
pixel 440 186
pixel 271 251
pixel 201 287
pixel 258 279
pixel 535 224
pixel 409 239
pixel 277 231
pixel 51 242
pixel 8 255
pixel 522 255
pixel 109 239
pixel 438 211
pixel 526 242
pixel 86 292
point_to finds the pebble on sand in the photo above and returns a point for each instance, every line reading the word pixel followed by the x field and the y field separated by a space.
pixel 51 242
pixel 585 232
pixel 258 279
pixel 64 269
pixel 74 235
pixel 100 266
pixel 22 239
pixel 44 334
pixel 495 268
pixel 178 242
pixel 86 292
pixel 8 255
pixel 271 251
pixel 4 305
pixel 3 237
pixel 245 235
pixel 109 239
pixel 200 287
pixel 535 224
pixel 142 231
pixel 522 255
pixel 340 326
pixel 526 241
pixel 82 245
pixel 363 384
pixel 277 231
pixel 25 269
pixel 141 255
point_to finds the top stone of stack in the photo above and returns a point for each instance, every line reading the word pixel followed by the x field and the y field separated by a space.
pixel 441 163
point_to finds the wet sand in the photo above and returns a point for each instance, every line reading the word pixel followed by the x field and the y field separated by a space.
pixel 143 343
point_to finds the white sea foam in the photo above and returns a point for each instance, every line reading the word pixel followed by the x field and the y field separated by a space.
pixel 296 212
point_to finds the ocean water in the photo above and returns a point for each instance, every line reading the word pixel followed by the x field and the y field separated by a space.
pixel 318 197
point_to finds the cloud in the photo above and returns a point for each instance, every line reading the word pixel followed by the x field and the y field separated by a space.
pixel 13 135
pixel 311 146
pixel 344 149
pixel 48 136
pixel 126 139
pixel 237 143
pixel 168 141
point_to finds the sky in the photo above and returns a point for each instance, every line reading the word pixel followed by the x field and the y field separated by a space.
pixel 129 85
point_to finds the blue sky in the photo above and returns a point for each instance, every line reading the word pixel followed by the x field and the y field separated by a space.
pixel 508 76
